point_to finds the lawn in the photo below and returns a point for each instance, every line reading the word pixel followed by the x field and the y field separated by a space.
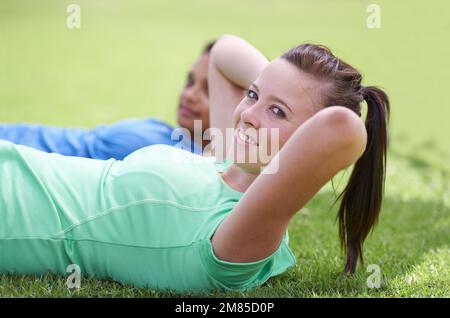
pixel 129 59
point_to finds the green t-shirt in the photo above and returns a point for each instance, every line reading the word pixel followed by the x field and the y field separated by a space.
pixel 146 220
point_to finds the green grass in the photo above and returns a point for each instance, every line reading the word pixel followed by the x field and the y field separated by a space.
pixel 410 244
pixel 129 60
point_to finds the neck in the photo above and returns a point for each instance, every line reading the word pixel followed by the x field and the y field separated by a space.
pixel 238 178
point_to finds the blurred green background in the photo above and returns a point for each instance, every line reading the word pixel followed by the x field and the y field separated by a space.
pixel 130 58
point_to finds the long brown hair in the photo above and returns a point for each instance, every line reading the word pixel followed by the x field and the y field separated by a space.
pixel 362 196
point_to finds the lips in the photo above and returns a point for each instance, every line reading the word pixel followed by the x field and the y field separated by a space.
pixel 187 112
pixel 244 138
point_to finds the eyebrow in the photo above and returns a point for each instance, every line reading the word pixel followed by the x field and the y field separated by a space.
pixel 277 99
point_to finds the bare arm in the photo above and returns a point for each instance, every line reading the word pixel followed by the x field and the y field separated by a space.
pixel 234 65
pixel 329 141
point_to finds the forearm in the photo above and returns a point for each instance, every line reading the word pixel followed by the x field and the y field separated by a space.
pixel 67 141
pixel 329 141
pixel 234 65
pixel 237 60
pixel 323 145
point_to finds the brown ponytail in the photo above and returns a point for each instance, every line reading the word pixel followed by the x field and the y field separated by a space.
pixel 362 196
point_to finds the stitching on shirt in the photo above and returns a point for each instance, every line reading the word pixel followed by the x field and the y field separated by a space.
pixel 146 201
pixel 98 242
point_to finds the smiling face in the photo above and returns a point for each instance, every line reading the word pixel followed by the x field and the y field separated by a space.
pixel 194 100
pixel 282 97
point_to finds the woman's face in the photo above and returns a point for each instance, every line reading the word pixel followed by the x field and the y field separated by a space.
pixel 194 100
pixel 281 98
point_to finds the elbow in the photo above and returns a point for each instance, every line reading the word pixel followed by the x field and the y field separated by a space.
pixel 222 48
pixel 349 131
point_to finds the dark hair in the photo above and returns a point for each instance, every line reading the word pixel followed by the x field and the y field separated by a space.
pixel 208 47
pixel 362 196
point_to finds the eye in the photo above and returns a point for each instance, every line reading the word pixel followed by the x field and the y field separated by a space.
pixel 252 94
pixel 277 111
pixel 190 81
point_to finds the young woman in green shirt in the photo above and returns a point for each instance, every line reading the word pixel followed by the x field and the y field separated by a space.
pixel 165 218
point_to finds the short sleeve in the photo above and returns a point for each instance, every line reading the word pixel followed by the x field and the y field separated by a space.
pixel 243 276
pixel 224 165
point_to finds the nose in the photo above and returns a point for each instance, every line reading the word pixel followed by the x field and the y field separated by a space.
pixel 251 116
pixel 190 93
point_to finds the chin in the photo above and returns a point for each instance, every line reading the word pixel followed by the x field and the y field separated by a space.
pixel 241 158
pixel 186 123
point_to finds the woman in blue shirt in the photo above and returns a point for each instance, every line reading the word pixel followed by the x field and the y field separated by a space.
pixel 122 138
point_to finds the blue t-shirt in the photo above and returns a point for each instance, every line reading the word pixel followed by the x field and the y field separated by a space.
pixel 116 141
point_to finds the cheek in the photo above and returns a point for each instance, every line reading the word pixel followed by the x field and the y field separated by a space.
pixel 280 139
pixel 283 140
pixel 285 134
pixel 204 108
pixel 205 102
pixel 237 113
